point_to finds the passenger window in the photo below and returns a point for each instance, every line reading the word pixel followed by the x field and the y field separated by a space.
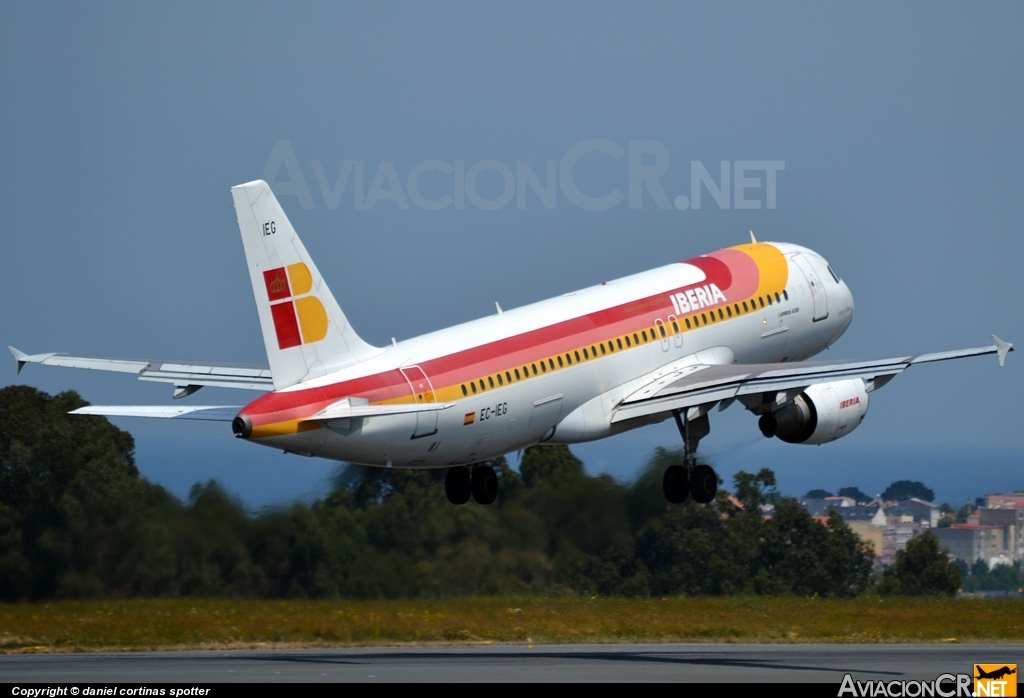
pixel 720 315
pixel 728 311
pixel 585 354
pixel 508 376
pixel 636 340
pixel 619 342
pixel 744 306
pixel 499 380
pixel 473 386
pixel 560 364
pixel 627 340
pixel 543 367
pixel 704 318
pixel 517 374
pixel 603 352
pixel 675 327
pixel 644 333
pixel 760 300
pixel 661 328
pixel 593 351
pixel 577 356
pixel 785 294
pixel 464 392
pixel 778 299
pixel 551 364
pixel 490 381
pixel 534 367
pixel 687 323
pixel 769 299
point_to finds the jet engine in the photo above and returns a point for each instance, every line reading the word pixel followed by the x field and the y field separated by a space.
pixel 822 413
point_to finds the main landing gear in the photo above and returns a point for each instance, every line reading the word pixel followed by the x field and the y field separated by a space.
pixel 461 482
pixel 690 479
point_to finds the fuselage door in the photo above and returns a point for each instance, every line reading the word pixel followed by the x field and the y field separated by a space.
pixel 422 393
pixel 817 289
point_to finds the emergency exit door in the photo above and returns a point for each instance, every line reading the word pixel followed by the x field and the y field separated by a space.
pixel 422 392
pixel 814 283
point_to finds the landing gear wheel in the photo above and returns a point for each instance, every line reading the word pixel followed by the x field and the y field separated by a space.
pixel 485 484
pixel 456 484
pixel 703 484
pixel 676 484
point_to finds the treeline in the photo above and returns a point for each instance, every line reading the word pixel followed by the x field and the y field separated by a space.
pixel 77 520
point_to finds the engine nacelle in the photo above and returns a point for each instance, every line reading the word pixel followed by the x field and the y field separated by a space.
pixel 822 413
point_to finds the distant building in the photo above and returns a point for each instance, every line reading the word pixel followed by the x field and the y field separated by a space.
pixel 869 533
pixel 921 511
pixel 895 536
pixel 887 530
pixel 972 542
pixel 1011 521
pixel 1004 501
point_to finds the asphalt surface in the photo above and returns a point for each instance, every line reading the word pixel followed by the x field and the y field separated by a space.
pixel 516 663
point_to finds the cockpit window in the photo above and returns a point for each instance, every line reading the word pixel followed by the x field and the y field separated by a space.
pixel 833 274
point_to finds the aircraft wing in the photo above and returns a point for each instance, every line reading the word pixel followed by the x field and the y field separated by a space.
pixel 186 376
pixel 702 384
pixel 206 414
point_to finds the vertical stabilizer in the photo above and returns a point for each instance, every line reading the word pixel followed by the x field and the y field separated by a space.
pixel 304 330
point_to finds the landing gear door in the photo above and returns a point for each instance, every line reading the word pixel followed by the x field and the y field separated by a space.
pixel 422 393
pixel 816 287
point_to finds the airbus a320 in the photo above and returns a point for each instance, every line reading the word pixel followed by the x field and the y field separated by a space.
pixel 732 326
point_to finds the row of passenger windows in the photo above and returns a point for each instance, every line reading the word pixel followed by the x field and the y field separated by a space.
pixel 613 345
pixel 729 311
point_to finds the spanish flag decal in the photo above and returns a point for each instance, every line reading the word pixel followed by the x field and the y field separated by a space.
pixel 468 419
pixel 298 318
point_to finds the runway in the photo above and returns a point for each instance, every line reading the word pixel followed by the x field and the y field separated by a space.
pixel 516 663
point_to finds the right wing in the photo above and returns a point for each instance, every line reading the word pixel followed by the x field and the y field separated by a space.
pixel 186 376
pixel 697 384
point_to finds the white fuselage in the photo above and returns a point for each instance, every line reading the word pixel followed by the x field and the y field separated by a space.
pixel 570 403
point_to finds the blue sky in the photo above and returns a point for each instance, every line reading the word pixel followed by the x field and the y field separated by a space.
pixel 122 127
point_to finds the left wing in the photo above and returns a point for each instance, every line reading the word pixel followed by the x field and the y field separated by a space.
pixel 705 384
pixel 186 376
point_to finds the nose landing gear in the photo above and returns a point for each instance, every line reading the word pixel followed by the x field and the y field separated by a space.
pixel 481 482
pixel 690 479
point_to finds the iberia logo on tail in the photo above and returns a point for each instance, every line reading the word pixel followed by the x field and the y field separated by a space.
pixel 298 318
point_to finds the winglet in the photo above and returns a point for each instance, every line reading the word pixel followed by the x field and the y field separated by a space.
pixel 20 359
pixel 752 238
pixel 1002 348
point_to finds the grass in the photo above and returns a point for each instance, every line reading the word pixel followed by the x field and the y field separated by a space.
pixel 138 624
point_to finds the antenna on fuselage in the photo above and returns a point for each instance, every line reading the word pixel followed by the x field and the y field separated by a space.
pixel 752 238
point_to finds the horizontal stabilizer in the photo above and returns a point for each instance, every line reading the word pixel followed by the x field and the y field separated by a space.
pixel 347 409
pixel 206 414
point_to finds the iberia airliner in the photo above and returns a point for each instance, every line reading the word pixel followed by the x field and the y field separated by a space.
pixel 736 325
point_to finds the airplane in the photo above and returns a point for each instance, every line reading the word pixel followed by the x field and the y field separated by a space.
pixel 732 326
pixel 995 674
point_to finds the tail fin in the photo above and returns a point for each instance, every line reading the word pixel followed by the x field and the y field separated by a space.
pixel 304 330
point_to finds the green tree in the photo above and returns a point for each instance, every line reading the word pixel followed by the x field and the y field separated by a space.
pixel 817 494
pixel 855 494
pixel 921 569
pixel 906 489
